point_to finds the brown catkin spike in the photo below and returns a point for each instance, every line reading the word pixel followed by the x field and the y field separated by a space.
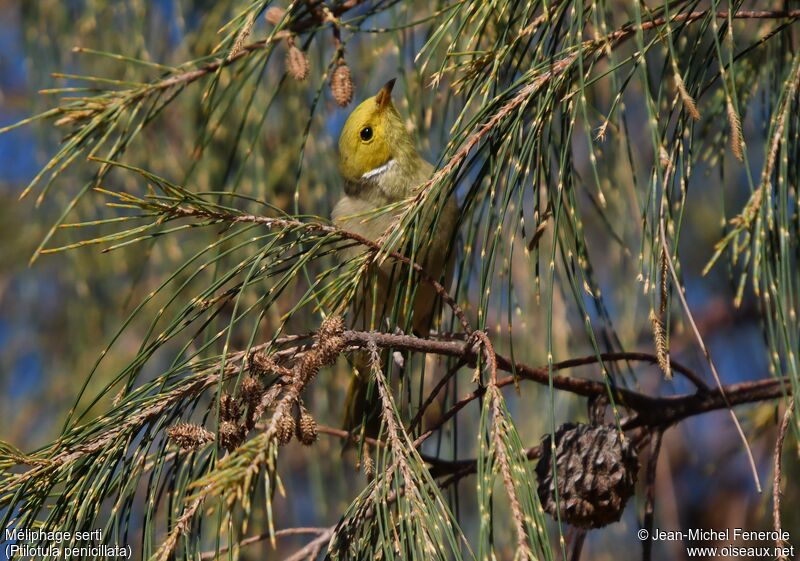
pixel 688 100
pixel 326 349
pixel 736 132
pixel 331 326
pixel 306 428
pixel 244 34
pixel 662 352
pixel 664 282
pixel 296 61
pixel 189 436
pixel 342 84
pixel 369 467
pixel 329 349
pixel 285 430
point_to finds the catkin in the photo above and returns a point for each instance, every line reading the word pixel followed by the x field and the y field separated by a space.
pixel 244 34
pixel 660 339
pixel 369 467
pixel 736 132
pixel 687 99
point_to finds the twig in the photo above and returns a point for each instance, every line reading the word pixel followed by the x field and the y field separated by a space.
pixel 374 247
pixel 701 344
pixel 435 391
pixel 650 500
pixel 776 482
pixel 265 536
pixel 166 549
pixel 312 549
pixel 577 538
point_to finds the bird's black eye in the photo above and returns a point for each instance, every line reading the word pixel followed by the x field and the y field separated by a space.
pixel 366 134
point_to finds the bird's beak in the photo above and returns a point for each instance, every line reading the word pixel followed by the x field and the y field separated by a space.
pixel 384 96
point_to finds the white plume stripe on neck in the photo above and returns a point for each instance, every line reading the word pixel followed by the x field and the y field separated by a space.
pixel 379 170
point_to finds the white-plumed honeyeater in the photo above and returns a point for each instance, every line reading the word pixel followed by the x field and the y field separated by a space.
pixel 380 165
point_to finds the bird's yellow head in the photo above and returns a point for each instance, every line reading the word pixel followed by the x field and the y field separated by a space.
pixel 372 136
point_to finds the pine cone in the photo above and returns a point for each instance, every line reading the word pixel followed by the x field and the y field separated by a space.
pixel 597 473
pixel 306 428
pixel 285 430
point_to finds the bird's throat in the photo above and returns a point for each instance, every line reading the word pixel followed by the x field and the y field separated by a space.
pixel 378 171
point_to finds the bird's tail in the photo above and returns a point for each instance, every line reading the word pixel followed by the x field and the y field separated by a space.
pixel 362 410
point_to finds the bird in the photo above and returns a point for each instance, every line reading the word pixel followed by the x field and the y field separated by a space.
pixel 380 165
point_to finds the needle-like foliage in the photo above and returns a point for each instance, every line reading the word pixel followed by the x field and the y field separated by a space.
pixel 574 136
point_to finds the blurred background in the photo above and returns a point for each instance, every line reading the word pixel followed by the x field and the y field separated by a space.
pixel 61 313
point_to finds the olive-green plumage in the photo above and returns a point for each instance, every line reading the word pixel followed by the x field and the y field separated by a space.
pixel 380 165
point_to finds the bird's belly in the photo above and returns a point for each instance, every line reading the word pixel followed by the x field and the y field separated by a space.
pixel 434 256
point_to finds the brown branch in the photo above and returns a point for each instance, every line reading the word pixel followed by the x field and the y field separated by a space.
pixel 435 391
pixel 776 483
pixel 319 532
pixel 650 411
pixel 312 549
pixel 650 499
pixel 629 30
pixel 301 25
pixel 374 247
pixel 679 289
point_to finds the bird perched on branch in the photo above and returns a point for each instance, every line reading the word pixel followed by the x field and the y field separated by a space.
pixel 380 165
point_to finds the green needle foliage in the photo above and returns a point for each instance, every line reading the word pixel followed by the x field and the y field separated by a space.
pixel 573 134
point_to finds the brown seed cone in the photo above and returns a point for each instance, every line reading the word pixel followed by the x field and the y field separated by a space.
pixel 260 364
pixel 189 436
pixel 296 62
pixel 267 400
pixel 342 85
pixel 331 326
pixel 329 350
pixel 285 429
pixel 597 471
pixel 252 390
pixel 329 340
pixel 231 435
pixel 306 428
pixel 229 408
